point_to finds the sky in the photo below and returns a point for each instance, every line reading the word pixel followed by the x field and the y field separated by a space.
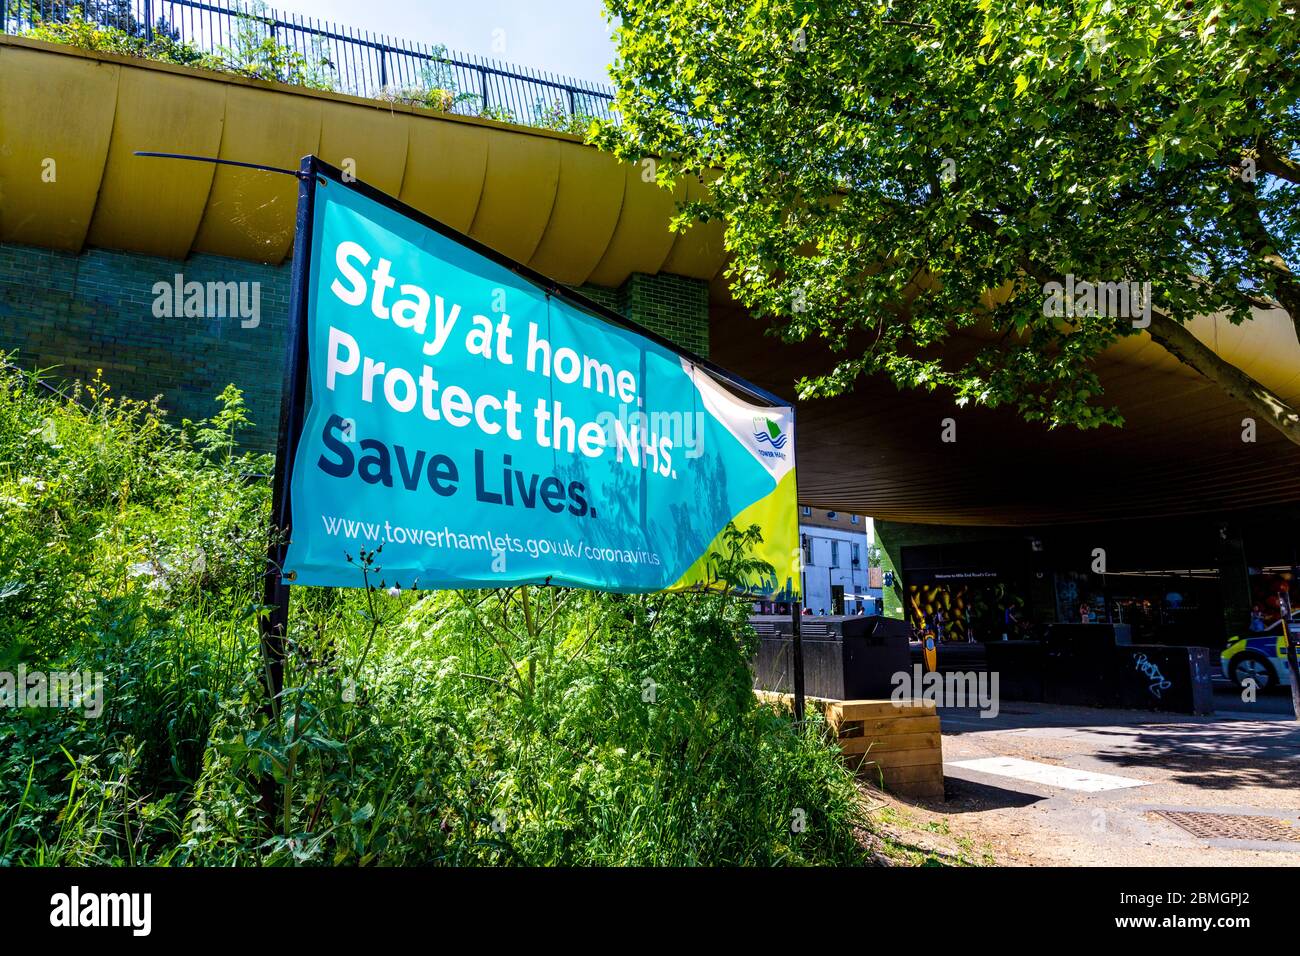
pixel 566 37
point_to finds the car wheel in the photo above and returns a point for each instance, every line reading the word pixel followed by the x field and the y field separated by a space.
pixel 1254 667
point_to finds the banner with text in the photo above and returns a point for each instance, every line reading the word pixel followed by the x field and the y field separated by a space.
pixel 487 433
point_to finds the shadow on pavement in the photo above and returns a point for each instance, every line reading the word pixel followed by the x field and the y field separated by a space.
pixel 966 796
pixel 1212 753
pixel 1218 757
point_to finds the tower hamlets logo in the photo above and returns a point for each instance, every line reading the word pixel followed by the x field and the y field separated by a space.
pixel 769 432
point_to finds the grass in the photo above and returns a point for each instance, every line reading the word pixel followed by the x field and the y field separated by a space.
pixel 900 837
pixel 521 726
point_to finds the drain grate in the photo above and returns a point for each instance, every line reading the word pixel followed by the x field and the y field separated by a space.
pixel 1233 826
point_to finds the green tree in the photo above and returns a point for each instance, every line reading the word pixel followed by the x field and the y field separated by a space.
pixel 905 180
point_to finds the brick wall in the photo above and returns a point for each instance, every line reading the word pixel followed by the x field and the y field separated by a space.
pixel 95 311
pixel 92 311
pixel 673 306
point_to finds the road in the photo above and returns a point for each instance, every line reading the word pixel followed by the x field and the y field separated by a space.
pixel 1043 784
pixel 1227 699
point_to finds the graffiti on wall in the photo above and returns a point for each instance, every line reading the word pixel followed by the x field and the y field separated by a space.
pixel 1159 683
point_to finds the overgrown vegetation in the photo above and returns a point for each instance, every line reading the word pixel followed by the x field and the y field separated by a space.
pixel 519 726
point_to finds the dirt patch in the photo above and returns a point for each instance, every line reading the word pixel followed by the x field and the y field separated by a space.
pixel 911 834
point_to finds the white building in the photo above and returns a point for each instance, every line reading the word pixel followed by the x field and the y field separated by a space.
pixel 836 579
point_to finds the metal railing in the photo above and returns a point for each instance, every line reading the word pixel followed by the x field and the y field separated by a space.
pixel 252 39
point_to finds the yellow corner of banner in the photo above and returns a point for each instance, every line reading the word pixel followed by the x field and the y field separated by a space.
pixel 775 514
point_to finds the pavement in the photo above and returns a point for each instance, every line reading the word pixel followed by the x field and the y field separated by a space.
pixel 1044 784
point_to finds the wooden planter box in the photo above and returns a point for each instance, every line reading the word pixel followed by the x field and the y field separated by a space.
pixel 895 745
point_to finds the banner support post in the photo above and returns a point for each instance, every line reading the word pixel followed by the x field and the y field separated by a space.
pixel 796 607
pixel 796 664
pixel 274 620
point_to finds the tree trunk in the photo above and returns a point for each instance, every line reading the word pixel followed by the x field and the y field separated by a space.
pixel 1188 349
pixel 1179 342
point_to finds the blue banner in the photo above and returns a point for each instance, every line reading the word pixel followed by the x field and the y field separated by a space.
pixel 488 433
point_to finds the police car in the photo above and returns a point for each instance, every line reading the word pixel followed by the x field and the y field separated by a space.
pixel 1260 657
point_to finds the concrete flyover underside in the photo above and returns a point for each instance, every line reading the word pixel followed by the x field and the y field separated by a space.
pixel 879 451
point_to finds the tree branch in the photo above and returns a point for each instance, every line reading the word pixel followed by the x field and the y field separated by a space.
pixel 1277 164
pixel 1179 342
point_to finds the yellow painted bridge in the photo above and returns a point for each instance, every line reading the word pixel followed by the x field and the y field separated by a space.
pixel 540 197
pixel 579 216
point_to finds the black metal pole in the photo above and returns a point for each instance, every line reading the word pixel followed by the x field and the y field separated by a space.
pixel 796 608
pixel 796 611
pixel 275 616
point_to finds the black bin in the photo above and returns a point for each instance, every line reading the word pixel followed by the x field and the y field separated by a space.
pixel 875 649
pixel 844 658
